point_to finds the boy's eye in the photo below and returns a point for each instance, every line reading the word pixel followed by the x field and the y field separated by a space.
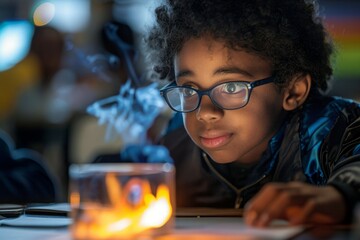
pixel 188 92
pixel 232 87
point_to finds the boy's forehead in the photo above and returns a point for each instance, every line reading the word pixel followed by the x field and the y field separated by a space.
pixel 216 47
pixel 206 55
pixel 204 44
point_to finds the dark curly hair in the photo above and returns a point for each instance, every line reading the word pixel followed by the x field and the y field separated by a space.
pixel 288 32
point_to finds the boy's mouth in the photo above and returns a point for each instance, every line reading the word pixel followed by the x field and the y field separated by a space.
pixel 216 141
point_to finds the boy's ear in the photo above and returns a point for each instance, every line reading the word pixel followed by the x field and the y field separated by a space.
pixel 296 92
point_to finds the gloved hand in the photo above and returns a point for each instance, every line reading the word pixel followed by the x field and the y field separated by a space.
pixel 146 154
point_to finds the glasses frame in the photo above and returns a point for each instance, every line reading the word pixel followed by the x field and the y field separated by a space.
pixel 250 86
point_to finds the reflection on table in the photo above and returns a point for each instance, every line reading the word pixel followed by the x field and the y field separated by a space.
pixel 49 222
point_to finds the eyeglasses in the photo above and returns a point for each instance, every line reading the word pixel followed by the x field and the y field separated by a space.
pixel 227 95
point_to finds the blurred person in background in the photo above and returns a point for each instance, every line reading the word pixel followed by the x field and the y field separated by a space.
pixel 24 177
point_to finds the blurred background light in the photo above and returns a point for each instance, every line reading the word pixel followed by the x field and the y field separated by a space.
pixel 15 38
pixel 342 20
pixel 68 16
pixel 44 13
pixel 138 14
pixel 343 23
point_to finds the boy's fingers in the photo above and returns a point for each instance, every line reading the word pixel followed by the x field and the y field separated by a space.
pixel 274 202
pixel 261 202
pixel 277 209
pixel 298 203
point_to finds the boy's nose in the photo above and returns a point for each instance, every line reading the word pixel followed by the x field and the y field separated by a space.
pixel 207 111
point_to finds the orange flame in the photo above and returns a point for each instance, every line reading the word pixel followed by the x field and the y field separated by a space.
pixel 127 215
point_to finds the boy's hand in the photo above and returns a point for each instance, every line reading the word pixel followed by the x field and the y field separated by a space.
pixel 296 202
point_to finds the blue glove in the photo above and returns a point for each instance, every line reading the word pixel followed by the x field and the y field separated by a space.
pixel 146 154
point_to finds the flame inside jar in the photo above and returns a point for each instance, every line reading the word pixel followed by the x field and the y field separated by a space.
pixel 108 204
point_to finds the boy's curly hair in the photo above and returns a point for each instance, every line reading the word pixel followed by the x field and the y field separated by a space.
pixel 288 33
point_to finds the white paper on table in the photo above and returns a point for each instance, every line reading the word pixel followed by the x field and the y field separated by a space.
pixel 37 221
pixel 13 233
pixel 234 226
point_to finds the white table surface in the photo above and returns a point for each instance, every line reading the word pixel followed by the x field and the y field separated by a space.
pixel 224 228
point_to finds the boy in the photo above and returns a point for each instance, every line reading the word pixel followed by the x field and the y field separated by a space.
pixel 248 79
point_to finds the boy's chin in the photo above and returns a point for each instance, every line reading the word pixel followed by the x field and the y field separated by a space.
pixel 225 159
pixel 221 159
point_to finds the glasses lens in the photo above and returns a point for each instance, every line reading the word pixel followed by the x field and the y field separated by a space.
pixel 230 95
pixel 182 99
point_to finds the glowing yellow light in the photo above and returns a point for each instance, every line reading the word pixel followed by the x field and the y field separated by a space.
pixel 123 218
pixel 44 13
